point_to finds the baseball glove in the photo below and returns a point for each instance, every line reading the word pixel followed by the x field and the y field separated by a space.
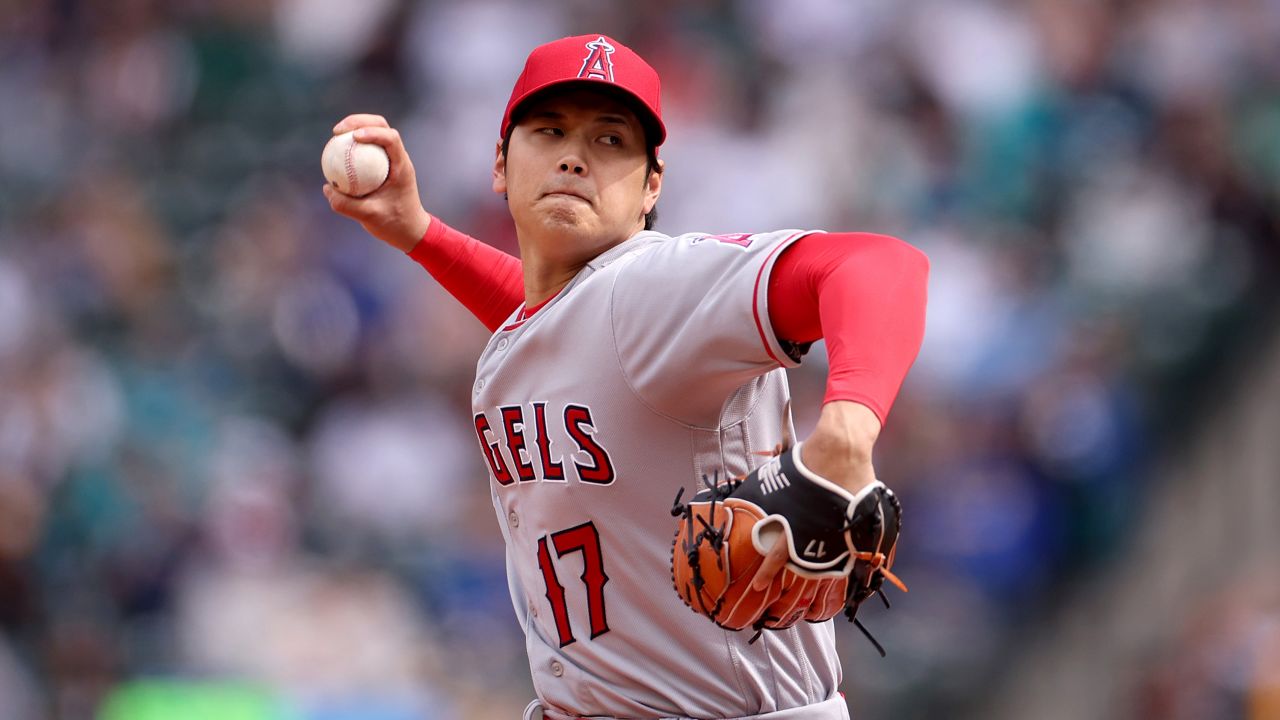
pixel 840 547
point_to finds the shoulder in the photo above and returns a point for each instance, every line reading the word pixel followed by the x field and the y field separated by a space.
pixel 695 248
pixel 715 242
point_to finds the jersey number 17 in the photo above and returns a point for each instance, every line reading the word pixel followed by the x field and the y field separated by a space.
pixel 586 539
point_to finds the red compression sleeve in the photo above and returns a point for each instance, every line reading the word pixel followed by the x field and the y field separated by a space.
pixel 487 281
pixel 866 295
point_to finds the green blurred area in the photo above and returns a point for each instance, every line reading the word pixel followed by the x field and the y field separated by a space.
pixel 185 700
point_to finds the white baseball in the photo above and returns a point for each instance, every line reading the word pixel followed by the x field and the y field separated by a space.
pixel 354 168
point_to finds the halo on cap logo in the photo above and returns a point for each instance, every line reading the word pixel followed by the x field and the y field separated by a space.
pixel 598 64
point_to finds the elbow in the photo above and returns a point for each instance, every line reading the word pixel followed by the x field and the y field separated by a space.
pixel 886 253
pixel 912 261
pixel 911 265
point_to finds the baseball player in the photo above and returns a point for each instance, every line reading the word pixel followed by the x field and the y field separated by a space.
pixel 625 365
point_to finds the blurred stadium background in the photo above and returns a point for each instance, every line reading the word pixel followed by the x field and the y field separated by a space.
pixel 236 476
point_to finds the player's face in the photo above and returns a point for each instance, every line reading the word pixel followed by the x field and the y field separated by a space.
pixel 575 174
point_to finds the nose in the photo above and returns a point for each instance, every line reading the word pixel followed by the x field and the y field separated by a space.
pixel 574 165
pixel 573 160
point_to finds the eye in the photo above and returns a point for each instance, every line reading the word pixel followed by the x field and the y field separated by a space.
pixel 611 140
pixel 553 131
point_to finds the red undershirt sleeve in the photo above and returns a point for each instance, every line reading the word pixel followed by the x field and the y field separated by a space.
pixel 866 295
pixel 487 281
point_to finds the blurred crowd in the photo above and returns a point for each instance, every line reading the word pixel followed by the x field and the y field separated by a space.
pixel 235 464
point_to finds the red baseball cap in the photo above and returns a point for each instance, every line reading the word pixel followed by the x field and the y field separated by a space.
pixel 592 59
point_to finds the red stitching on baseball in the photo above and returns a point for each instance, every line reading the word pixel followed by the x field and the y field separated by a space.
pixel 351 166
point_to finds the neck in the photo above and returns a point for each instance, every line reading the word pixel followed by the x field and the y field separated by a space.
pixel 542 280
pixel 548 268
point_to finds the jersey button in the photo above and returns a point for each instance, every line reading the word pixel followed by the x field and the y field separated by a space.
pixel 479 384
pixel 556 668
pixel 533 608
pixel 513 518
pixel 503 343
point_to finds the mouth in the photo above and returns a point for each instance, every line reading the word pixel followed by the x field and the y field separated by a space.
pixel 566 194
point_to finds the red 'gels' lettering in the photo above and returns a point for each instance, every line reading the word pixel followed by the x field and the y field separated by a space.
pixel 551 469
pixel 491 452
pixel 513 425
pixel 577 420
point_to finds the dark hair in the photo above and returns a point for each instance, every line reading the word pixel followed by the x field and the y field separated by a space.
pixel 651 153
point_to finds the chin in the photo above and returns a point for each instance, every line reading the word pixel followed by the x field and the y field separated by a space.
pixel 563 216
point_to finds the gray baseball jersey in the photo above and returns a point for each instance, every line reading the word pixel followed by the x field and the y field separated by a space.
pixel 654 366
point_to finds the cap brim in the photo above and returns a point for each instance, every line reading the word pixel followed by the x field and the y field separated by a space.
pixel 655 131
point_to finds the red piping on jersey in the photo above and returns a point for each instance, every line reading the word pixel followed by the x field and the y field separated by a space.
pixel 755 294
pixel 526 313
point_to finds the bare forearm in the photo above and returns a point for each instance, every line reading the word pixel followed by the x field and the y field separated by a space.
pixel 840 447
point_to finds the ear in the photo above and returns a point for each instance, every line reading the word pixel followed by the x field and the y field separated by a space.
pixel 653 187
pixel 499 169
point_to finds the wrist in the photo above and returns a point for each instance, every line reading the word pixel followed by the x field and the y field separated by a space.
pixel 417 232
pixel 412 232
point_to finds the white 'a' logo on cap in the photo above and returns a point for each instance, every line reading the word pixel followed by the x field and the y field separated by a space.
pixel 598 64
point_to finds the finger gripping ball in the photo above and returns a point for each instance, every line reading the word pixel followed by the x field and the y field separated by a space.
pixel 354 168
